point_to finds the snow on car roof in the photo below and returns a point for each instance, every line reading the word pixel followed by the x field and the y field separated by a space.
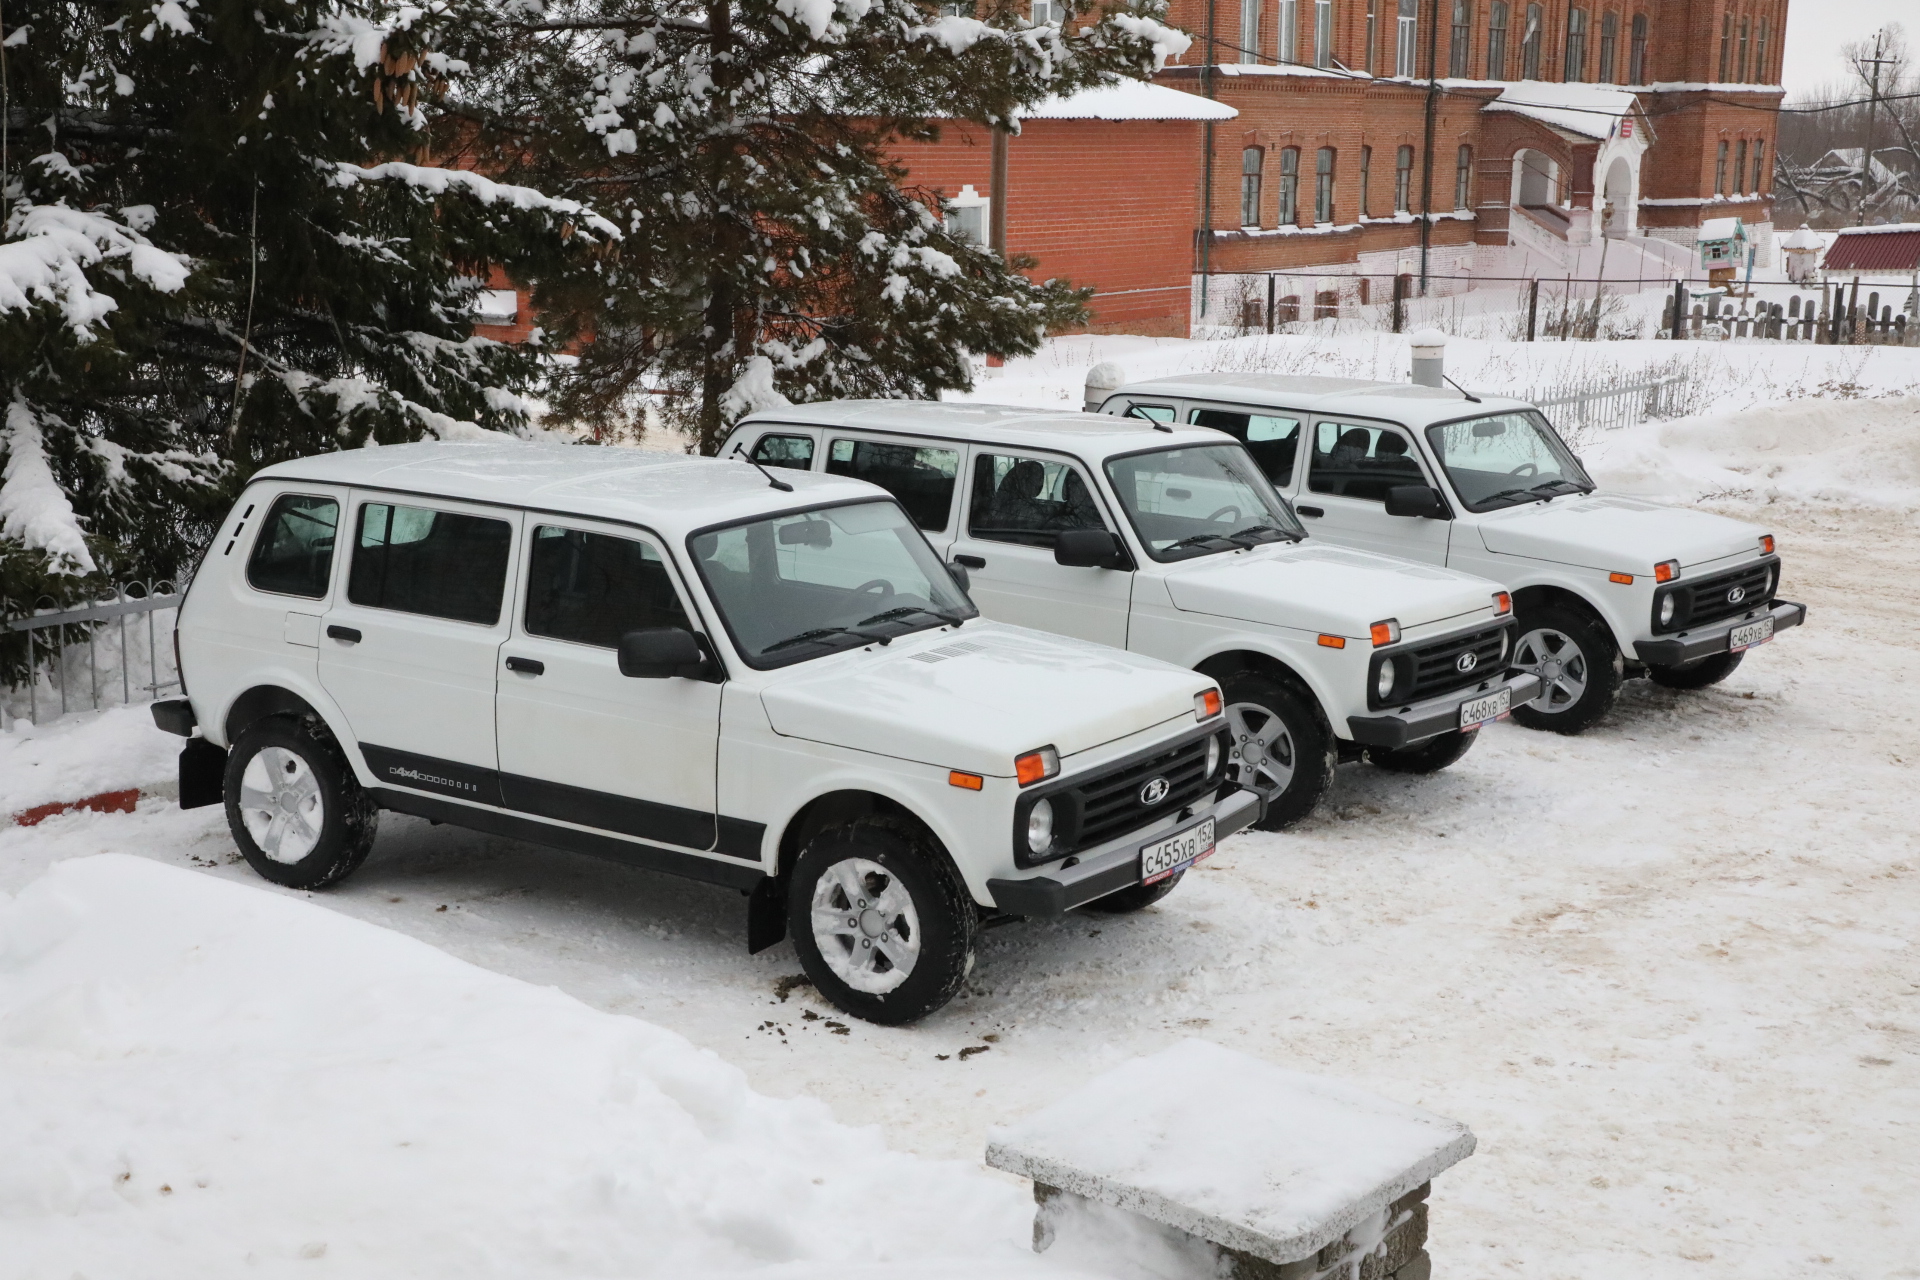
pixel 1363 397
pixel 672 490
pixel 1091 434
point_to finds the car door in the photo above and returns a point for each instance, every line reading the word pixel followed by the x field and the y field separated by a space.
pixel 408 651
pixel 1017 502
pixel 579 742
pixel 1350 467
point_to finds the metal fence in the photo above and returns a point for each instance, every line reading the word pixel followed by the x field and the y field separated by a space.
pixel 1603 407
pixel 77 657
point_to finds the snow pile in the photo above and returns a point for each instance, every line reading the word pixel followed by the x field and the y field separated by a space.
pixel 208 1079
pixel 80 756
pixel 1832 452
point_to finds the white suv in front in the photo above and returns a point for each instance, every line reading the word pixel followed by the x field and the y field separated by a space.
pixel 767 683
pixel 1166 540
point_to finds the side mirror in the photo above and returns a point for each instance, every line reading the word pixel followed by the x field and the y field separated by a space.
pixel 1417 500
pixel 960 575
pixel 1089 549
pixel 662 653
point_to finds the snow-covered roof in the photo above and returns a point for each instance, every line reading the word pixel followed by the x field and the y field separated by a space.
pixel 1591 110
pixel 1804 238
pixel 1130 100
pixel 1721 229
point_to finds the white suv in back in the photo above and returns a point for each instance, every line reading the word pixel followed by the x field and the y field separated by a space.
pixel 687 665
pixel 1168 541
pixel 1607 586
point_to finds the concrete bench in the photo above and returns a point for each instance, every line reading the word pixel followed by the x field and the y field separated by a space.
pixel 1256 1172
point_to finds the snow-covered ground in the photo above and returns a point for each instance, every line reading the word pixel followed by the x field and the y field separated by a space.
pixel 1665 970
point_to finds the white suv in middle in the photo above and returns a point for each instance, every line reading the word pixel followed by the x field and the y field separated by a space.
pixel 1169 541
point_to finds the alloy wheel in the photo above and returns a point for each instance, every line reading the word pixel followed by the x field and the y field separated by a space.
pixel 281 804
pixel 865 925
pixel 1560 664
pixel 1262 754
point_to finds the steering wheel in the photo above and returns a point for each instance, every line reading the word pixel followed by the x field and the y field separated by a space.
pixel 877 586
pixel 1215 517
pixel 1525 469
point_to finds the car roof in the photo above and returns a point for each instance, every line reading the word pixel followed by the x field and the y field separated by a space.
pixel 671 492
pixel 1095 435
pixel 1402 402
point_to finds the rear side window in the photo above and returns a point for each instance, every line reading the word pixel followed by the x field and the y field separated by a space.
pixel 293 556
pixel 922 479
pixel 793 452
pixel 1272 439
pixel 440 563
pixel 593 588
pixel 1355 461
pixel 1028 500
pixel 1151 412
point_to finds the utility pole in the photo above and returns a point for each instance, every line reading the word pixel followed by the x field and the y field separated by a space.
pixel 1426 168
pixel 1873 104
pixel 1206 169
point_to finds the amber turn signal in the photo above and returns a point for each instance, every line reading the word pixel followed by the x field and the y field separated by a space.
pixel 1036 766
pixel 1766 544
pixel 1333 642
pixel 1206 705
pixel 1387 632
pixel 965 781
pixel 1666 571
pixel 1624 579
pixel 1502 603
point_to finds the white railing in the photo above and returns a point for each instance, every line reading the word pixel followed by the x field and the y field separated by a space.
pixel 1603 407
pixel 75 656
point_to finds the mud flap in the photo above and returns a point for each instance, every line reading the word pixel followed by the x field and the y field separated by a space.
pixel 766 914
pixel 203 774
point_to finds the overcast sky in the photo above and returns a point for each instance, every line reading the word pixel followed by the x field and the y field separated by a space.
pixel 1817 28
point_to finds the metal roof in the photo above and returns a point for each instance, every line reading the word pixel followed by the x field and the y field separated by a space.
pixel 1875 249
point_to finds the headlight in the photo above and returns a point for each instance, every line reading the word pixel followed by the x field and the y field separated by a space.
pixel 1213 754
pixel 1040 827
pixel 1383 684
pixel 1666 609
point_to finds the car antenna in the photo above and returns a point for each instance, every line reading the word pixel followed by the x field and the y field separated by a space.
pixel 1151 420
pixel 1463 391
pixel 773 480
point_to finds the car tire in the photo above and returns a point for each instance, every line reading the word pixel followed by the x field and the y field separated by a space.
pixel 297 813
pixel 905 941
pixel 1698 674
pixel 1136 897
pixel 1575 656
pixel 1278 744
pixel 1431 756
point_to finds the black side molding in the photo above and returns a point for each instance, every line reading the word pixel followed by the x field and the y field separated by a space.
pixel 203 774
pixel 174 716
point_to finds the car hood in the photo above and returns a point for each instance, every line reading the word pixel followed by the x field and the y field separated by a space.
pixel 1616 533
pixel 977 698
pixel 1316 587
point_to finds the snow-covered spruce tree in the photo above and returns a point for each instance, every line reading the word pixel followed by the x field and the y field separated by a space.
pixel 741 146
pixel 216 255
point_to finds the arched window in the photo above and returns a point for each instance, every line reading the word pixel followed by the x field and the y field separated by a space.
pixel 1249 31
pixel 1366 175
pixel 1760 174
pixel 1609 43
pixel 1250 161
pixel 1323 185
pixel 1762 69
pixel 1403 180
pixel 1288 45
pixel 1497 40
pixel 1460 50
pixel 1463 178
pixel 1530 40
pixel 1637 53
pixel 1576 69
pixel 1720 169
pixel 1726 47
pixel 1740 168
pixel 1406 32
pixel 1746 26
pixel 1322 33
pixel 1289 186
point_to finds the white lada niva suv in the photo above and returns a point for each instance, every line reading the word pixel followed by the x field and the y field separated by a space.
pixel 769 682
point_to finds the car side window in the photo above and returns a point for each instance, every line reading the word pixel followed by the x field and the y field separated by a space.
pixel 792 452
pixel 1272 439
pixel 443 564
pixel 1029 500
pixel 1151 412
pixel 293 556
pixel 593 588
pixel 1352 460
pixel 922 479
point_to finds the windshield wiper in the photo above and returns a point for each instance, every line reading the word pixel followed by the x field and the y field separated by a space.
pixel 1238 534
pixel 1201 539
pixel 1509 493
pixel 947 616
pixel 1574 485
pixel 822 635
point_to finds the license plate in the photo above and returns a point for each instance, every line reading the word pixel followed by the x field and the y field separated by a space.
pixel 1480 710
pixel 1751 634
pixel 1176 853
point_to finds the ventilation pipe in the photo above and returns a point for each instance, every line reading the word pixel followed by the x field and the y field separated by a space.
pixel 1103 380
pixel 1429 357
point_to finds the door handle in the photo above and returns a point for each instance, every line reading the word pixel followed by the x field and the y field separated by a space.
pixel 526 666
pixel 1315 512
pixel 348 634
pixel 971 562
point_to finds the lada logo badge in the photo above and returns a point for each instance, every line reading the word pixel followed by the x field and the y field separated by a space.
pixel 1155 791
pixel 1736 595
pixel 1466 661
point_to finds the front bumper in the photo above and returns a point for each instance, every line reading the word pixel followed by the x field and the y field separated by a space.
pixel 1435 716
pixel 1099 872
pixel 1705 642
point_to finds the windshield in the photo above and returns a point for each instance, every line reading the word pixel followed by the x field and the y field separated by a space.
pixel 1505 459
pixel 795 586
pixel 1197 500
